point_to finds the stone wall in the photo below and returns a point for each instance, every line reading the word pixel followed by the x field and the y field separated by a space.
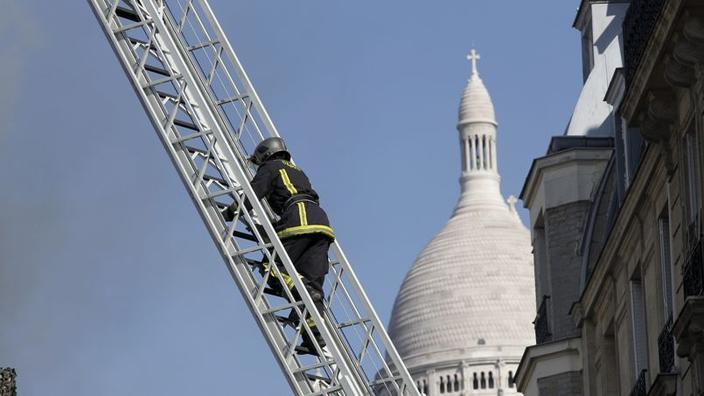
pixel 567 383
pixel 564 228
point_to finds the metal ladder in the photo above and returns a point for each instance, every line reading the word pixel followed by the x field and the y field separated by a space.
pixel 209 119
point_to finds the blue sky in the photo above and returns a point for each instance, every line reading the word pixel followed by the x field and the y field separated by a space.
pixel 109 283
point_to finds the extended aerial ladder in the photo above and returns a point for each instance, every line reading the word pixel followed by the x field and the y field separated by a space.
pixel 209 119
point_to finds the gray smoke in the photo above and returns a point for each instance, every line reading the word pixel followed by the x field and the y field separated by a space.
pixel 20 36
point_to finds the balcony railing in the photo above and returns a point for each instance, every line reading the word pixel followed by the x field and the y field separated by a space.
pixel 692 272
pixel 638 25
pixel 666 348
pixel 542 327
pixel 639 388
pixel 8 386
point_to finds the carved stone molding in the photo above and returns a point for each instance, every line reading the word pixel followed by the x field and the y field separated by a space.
pixel 693 28
pixel 662 106
pixel 659 115
pixel 689 333
pixel 688 52
pixel 677 74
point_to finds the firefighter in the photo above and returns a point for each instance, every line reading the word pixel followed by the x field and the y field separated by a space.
pixel 304 228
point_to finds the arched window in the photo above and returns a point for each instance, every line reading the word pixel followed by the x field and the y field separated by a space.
pixel 510 379
pixel 425 387
pixel 442 384
pixel 483 381
pixel 457 384
pixel 449 384
pixel 475 382
pixel 491 380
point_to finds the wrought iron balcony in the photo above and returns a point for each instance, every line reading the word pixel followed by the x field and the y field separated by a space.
pixel 640 387
pixel 666 348
pixel 638 25
pixel 542 327
pixel 693 273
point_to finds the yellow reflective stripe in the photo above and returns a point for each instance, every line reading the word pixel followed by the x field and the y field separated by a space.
pixel 307 229
pixel 287 279
pixel 302 213
pixel 287 182
pixel 310 322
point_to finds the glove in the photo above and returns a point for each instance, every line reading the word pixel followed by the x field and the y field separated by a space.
pixel 229 213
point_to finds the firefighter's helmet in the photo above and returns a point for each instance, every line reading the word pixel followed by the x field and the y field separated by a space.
pixel 267 148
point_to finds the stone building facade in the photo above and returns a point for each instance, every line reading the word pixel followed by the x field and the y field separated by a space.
pixel 630 231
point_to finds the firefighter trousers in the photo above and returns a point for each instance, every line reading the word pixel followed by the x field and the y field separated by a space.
pixel 309 254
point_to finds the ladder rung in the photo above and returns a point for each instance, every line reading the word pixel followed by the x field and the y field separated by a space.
pixel 326 391
pixel 214 178
pixel 157 70
pixel 232 99
pixel 314 377
pixel 124 12
pixel 186 124
pixel 134 40
pixel 353 323
pixel 203 45
pixel 162 81
pixel 192 136
pixel 384 380
pixel 257 248
pixel 191 149
pixel 285 320
pixel 170 96
pixel 220 193
pixel 282 307
pixel 313 366
pixel 249 237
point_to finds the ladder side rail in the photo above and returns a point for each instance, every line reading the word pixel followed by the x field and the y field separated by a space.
pixel 355 319
pixel 390 348
pixel 393 354
pixel 206 84
pixel 179 159
pixel 258 208
pixel 252 111
pixel 174 155
pixel 239 69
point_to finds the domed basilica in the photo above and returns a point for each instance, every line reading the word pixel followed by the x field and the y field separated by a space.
pixel 463 314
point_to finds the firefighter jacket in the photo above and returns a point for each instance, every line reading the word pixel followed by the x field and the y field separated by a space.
pixel 291 197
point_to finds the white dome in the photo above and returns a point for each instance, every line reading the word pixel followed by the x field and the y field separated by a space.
pixel 470 293
pixel 472 285
pixel 476 105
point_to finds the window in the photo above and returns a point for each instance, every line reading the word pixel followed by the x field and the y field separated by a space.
pixel 633 149
pixel 491 380
pixel 640 339
pixel 483 381
pixel 475 382
pixel 457 383
pixel 693 182
pixel 510 379
pixel 666 263
pixel 442 384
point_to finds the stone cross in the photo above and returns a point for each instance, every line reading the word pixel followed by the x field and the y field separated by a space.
pixel 512 203
pixel 473 57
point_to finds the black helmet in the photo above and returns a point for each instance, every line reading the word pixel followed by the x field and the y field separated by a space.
pixel 267 148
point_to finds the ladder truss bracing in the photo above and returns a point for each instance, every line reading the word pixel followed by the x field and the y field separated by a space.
pixel 209 119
